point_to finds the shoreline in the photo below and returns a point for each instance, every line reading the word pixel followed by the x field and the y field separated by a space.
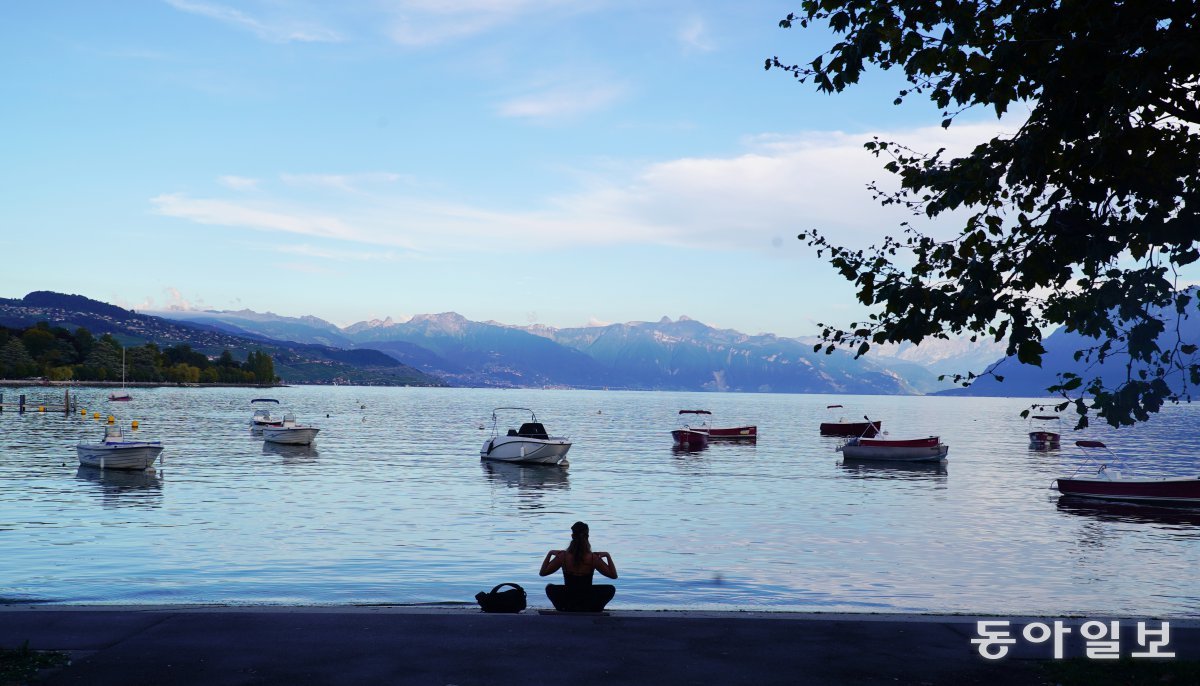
pixel 471 609
pixel 37 383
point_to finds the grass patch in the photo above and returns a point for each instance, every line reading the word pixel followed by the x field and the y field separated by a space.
pixel 1124 672
pixel 21 665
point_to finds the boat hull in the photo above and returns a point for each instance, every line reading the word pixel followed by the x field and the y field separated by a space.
pixel 689 438
pixel 295 435
pixel 905 450
pixel 523 450
pixel 850 428
pixel 122 398
pixel 1178 490
pixel 1044 440
pixel 735 433
pixel 132 455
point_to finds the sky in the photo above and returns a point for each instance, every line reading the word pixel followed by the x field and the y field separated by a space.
pixel 525 161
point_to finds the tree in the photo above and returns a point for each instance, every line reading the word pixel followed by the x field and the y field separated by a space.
pixel 262 366
pixel 15 360
pixel 104 362
pixel 1082 219
pixel 143 363
pixel 84 342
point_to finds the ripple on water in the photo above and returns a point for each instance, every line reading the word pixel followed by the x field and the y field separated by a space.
pixel 392 505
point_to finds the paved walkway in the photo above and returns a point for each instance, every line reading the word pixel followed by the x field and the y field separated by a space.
pixel 429 645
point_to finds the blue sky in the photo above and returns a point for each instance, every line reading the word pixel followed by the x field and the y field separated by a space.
pixel 516 160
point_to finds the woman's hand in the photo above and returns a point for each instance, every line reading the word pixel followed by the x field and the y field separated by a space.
pixel 604 564
pixel 552 563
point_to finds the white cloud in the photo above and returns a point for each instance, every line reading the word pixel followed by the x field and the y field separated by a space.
pixel 350 183
pixel 176 302
pixel 238 183
pixel 693 35
pixel 421 23
pixel 560 102
pixel 275 30
pixel 309 268
pixel 757 200
pixel 339 255
pixel 224 213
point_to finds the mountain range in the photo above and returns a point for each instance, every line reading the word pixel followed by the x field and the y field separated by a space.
pixel 681 354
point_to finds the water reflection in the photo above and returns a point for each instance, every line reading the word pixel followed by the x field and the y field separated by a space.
pixel 535 477
pixel 123 487
pixel 1184 520
pixel 290 453
pixel 890 469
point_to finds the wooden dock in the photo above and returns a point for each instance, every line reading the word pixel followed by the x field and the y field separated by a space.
pixel 65 406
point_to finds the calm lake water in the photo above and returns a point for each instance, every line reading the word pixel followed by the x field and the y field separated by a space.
pixel 392 505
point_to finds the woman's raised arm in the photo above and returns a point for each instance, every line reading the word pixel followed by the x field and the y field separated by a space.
pixel 605 565
pixel 552 563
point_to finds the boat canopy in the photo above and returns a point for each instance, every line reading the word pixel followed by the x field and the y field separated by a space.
pixel 830 407
pixel 533 430
pixel 694 412
pixel 265 400
pixel 1045 416
pixel 1090 444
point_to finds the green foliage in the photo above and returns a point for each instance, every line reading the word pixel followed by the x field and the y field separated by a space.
pixel 60 355
pixel 262 366
pixel 15 360
pixel 1082 219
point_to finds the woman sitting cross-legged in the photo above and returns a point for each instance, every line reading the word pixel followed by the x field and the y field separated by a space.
pixel 578 562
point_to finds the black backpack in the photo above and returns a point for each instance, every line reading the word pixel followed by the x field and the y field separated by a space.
pixel 495 600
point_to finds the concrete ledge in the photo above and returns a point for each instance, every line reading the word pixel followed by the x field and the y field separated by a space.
pixel 215 645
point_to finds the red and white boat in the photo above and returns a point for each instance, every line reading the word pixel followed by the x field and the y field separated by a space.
pixel 844 428
pixel 929 449
pixel 692 437
pixel 732 433
pixel 1111 481
pixel 1044 439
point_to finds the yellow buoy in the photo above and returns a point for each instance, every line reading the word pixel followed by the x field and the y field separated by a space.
pixel 135 425
pixel 111 419
pixel 83 412
pixel 95 415
pixel 41 408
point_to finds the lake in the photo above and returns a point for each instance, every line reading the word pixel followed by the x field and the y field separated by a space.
pixel 392 505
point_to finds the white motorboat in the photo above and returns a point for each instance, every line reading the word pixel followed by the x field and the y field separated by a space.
pixel 529 444
pixel 290 433
pixel 114 452
pixel 262 413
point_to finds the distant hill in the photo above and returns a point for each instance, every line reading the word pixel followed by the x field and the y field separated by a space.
pixel 1022 380
pixel 246 322
pixel 294 362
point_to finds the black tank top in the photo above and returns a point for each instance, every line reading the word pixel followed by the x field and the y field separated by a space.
pixel 577 580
